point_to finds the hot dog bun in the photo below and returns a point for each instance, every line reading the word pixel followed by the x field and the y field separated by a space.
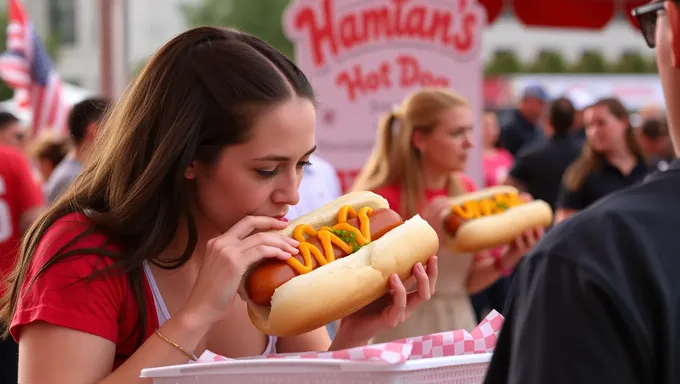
pixel 328 293
pixel 499 229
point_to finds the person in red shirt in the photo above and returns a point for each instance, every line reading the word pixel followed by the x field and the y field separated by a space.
pixel 138 264
pixel 21 201
pixel 417 165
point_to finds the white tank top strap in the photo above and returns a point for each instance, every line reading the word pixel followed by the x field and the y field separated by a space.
pixel 164 315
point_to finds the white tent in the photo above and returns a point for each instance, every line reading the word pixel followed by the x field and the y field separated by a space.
pixel 72 95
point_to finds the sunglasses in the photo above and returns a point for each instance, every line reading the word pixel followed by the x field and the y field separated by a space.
pixel 646 16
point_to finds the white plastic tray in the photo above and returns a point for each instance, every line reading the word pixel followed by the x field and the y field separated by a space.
pixel 467 369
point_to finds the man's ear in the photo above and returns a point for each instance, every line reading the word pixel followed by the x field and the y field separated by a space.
pixel 673 15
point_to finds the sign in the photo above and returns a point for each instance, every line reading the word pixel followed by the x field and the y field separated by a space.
pixel 365 56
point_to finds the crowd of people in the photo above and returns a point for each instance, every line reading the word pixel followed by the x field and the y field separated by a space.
pixel 138 225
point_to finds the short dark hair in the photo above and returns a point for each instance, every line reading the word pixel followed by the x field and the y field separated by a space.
pixel 654 128
pixel 561 115
pixel 7 119
pixel 83 114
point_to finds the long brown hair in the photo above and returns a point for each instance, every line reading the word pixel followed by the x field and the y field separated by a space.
pixel 589 159
pixel 395 160
pixel 198 94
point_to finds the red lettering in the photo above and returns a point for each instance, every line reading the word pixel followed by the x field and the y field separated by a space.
pixel 306 18
pixel 411 74
pixel 415 22
pixel 348 31
pixel 359 83
pixel 329 35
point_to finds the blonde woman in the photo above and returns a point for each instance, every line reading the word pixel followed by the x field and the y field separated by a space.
pixel 612 159
pixel 417 164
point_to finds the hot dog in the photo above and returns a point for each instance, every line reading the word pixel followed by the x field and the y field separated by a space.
pixel 492 217
pixel 348 250
pixel 271 274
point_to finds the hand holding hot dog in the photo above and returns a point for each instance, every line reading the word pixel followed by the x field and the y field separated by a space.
pixel 228 257
pixel 491 218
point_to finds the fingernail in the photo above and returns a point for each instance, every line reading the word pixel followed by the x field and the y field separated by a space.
pixel 435 258
pixel 395 279
pixel 295 251
pixel 293 242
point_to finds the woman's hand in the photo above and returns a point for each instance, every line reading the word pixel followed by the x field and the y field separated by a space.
pixel 360 327
pixel 228 257
pixel 490 265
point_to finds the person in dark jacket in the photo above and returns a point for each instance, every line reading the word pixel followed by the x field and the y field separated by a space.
pixel 598 299
pixel 523 127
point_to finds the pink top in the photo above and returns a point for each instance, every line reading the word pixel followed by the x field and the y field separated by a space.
pixel 496 167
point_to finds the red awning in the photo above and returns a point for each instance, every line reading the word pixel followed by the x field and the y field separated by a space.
pixel 576 14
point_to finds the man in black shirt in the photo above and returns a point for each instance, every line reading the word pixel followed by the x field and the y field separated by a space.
pixel 523 127
pixel 598 300
pixel 538 168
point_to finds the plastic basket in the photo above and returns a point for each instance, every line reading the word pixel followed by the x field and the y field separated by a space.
pixel 466 369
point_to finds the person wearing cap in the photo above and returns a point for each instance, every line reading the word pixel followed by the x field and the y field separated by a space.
pixel 598 299
pixel 523 126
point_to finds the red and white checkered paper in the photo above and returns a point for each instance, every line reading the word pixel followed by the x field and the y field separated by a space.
pixel 452 343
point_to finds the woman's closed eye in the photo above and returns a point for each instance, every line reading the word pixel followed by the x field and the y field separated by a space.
pixel 267 173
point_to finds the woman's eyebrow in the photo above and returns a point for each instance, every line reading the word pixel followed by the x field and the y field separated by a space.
pixel 281 157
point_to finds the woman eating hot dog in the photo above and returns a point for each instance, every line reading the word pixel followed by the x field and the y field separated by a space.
pixel 139 264
pixel 417 165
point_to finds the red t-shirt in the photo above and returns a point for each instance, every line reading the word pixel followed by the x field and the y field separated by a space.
pixel 18 193
pixel 105 306
pixel 392 193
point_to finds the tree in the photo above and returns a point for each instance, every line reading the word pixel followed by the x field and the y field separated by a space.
pixel 503 62
pixel 549 62
pixel 631 62
pixel 591 62
pixel 261 18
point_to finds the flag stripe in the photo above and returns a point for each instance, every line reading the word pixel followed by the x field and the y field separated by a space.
pixel 26 67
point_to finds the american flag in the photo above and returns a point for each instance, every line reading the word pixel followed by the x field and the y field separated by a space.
pixel 26 67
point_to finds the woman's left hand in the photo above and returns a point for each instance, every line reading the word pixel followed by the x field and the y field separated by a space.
pixel 387 312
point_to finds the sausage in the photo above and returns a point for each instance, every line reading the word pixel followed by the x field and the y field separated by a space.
pixel 452 222
pixel 271 274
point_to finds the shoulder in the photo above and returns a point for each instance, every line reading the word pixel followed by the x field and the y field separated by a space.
pixel 596 234
pixel 467 182
pixel 391 193
pixel 11 158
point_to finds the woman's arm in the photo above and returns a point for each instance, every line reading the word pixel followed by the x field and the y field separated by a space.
pixel 316 340
pixel 53 354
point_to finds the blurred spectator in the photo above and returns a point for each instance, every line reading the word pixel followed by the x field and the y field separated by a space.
pixel 611 159
pixel 83 122
pixel 320 185
pixel 523 128
pixel 581 100
pixel 47 151
pixel 497 161
pixel 539 167
pixel 21 202
pixel 656 143
pixel 652 112
pixel 11 131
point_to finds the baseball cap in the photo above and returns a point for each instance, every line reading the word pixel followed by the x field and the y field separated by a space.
pixel 535 91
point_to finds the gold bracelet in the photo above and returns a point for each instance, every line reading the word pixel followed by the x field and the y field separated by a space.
pixel 189 355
